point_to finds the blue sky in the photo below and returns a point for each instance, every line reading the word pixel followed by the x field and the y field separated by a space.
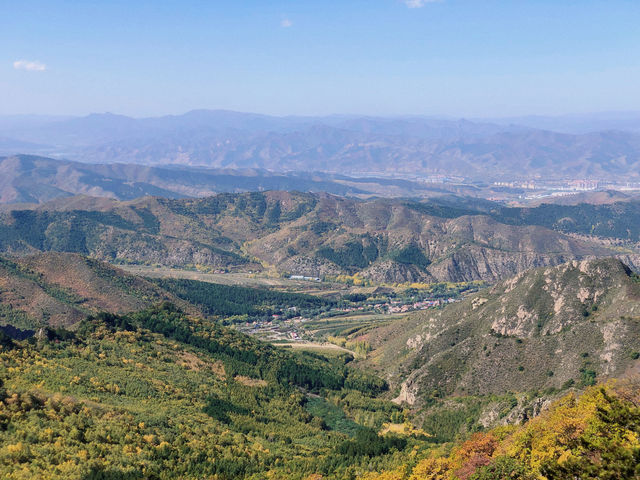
pixel 470 58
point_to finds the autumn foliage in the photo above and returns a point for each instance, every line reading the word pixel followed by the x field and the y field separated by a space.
pixel 591 436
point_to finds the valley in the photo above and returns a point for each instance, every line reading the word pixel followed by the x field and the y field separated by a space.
pixel 303 240
pixel 366 388
pixel 255 280
pixel 223 319
pixel 371 369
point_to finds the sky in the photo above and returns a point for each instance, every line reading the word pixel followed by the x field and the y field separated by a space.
pixel 460 58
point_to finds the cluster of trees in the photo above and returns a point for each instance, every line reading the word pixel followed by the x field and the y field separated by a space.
pixel 321 227
pixel 231 300
pixel 594 436
pixel 441 210
pixel 356 279
pixel 367 443
pixel 410 255
pixel 446 424
pixel 352 255
pixel 254 205
pixel 360 348
pixel 6 342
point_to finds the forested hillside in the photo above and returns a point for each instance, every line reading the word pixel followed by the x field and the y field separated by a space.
pixel 619 220
pixel 592 436
pixel 157 394
pixel 324 236
pixel 61 289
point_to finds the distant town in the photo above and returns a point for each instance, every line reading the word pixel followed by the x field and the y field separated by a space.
pixel 285 328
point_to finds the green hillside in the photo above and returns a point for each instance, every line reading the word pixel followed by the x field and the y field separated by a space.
pixel 156 394
pixel 320 235
pixel 501 354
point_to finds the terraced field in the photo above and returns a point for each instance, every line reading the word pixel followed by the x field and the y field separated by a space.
pixel 347 325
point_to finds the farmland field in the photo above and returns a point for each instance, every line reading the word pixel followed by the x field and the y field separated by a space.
pixel 241 279
pixel 347 325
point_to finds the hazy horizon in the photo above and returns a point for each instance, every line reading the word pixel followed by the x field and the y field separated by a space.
pixel 451 58
pixel 435 116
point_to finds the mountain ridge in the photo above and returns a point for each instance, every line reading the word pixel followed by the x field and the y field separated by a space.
pixel 34 179
pixel 545 329
pixel 352 144
pixel 318 235
pixel 61 289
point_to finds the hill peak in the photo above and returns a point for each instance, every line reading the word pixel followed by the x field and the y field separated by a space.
pixel 59 288
pixel 542 329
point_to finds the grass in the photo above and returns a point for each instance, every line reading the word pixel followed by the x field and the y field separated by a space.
pixel 327 350
pixel 333 416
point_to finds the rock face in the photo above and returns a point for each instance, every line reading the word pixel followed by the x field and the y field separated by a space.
pixel 388 271
pixel 317 235
pixel 548 328
pixel 490 265
pixel 519 411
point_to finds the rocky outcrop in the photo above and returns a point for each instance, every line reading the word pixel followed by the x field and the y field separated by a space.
pixel 388 271
pixel 543 329
pixel 479 263
pixel 502 412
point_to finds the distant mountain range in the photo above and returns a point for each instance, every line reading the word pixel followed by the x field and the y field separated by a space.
pixel 35 179
pixel 413 146
pixel 578 123
pixel 32 179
